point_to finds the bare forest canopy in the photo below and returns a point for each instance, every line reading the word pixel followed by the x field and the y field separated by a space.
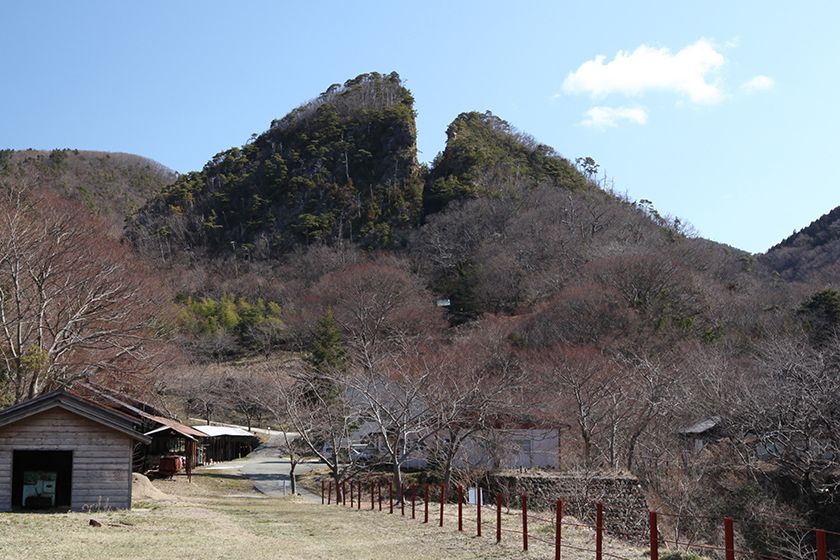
pixel 811 254
pixel 320 259
pixel 111 185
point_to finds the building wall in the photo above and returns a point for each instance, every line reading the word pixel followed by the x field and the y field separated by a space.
pixel 101 457
pixel 511 449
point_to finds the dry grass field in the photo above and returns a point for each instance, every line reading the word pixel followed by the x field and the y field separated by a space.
pixel 219 516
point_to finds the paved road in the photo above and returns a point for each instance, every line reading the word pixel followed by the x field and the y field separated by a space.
pixel 267 468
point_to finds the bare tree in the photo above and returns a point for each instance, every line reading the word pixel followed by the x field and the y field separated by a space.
pixel 73 302
pixel 314 405
pixel 395 399
pixel 475 386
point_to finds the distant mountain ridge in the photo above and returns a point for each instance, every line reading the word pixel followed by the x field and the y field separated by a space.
pixel 813 253
pixel 340 167
pixel 111 184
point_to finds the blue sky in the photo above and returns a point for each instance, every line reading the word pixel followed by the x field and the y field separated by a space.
pixel 722 113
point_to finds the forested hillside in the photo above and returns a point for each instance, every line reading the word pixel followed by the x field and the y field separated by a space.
pixel 340 167
pixel 811 254
pixel 484 156
pixel 112 185
pixel 501 281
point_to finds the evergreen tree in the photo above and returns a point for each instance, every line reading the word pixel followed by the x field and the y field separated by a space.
pixel 326 350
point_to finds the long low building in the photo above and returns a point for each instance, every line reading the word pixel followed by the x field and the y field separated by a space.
pixel 223 443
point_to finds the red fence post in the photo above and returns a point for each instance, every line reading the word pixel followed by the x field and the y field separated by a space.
pixel 478 511
pixel 822 549
pixel 654 537
pixel 426 502
pixel 329 493
pixel 379 492
pixel 323 492
pixel 599 530
pixel 352 501
pixel 498 517
pixel 558 527
pixel 524 522
pixel 413 498
pixel 460 508
pixel 372 495
pixel 343 492
pixel 442 500
pixel 729 538
pixel 390 496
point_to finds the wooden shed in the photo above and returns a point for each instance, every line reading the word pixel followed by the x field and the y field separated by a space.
pixel 225 443
pixel 62 451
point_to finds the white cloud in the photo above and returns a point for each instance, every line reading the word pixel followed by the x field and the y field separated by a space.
pixel 686 72
pixel 733 43
pixel 605 117
pixel 758 83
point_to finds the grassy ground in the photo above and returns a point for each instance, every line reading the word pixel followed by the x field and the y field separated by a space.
pixel 220 516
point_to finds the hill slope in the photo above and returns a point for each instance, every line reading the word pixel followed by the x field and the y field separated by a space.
pixel 113 185
pixel 485 156
pixel 811 254
pixel 341 167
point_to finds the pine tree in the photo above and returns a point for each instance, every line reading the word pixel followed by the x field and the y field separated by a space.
pixel 326 350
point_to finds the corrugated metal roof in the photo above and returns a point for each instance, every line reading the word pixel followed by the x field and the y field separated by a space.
pixel 215 431
pixel 168 428
pixel 701 427
pixel 177 426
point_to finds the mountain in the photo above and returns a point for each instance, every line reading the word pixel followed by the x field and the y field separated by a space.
pixel 112 185
pixel 340 167
pixel 811 254
pixel 484 156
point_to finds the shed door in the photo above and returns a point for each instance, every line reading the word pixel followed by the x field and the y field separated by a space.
pixel 41 479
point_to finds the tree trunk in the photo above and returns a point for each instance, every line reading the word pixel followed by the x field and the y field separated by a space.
pixel 447 468
pixel 337 482
pixel 398 480
pixel 292 480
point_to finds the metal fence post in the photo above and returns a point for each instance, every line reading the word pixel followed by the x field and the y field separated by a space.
pixel 352 502
pixel 729 538
pixel 654 537
pixel 372 496
pixel 413 499
pixel 478 511
pixel 426 502
pixel 343 493
pixel 402 501
pixel 822 549
pixel 524 522
pixel 442 500
pixel 329 493
pixel 390 496
pixel 323 492
pixel 558 527
pixel 460 508
pixel 498 517
pixel 379 492
pixel 599 530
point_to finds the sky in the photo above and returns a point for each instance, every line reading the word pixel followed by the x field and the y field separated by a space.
pixel 721 113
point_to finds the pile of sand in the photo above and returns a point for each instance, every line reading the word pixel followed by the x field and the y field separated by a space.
pixel 143 489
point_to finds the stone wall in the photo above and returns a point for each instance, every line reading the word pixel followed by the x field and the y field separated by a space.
pixel 625 506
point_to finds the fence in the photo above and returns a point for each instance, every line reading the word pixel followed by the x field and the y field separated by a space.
pixel 551 532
